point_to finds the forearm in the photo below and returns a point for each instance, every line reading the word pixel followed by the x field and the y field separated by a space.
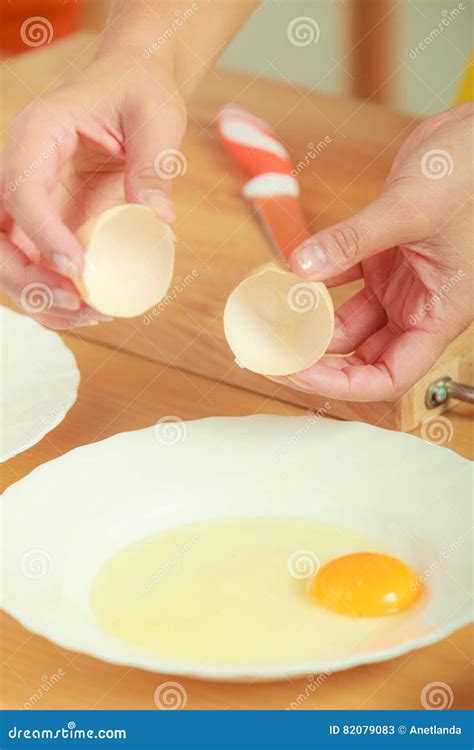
pixel 185 39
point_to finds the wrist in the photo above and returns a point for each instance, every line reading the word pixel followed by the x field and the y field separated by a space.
pixel 147 35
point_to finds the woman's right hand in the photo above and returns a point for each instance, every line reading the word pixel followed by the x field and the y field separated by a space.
pixel 112 136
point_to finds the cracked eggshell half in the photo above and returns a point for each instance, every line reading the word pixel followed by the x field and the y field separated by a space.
pixel 129 260
pixel 276 323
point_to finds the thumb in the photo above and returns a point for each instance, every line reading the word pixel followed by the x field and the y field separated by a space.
pixel 153 133
pixel 388 221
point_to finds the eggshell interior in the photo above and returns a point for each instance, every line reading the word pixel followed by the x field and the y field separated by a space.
pixel 276 323
pixel 129 259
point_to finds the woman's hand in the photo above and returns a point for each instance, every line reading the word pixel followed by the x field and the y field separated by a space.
pixel 90 145
pixel 413 249
pixel 112 136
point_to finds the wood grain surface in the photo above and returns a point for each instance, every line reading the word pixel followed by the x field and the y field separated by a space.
pixel 219 239
pixel 124 387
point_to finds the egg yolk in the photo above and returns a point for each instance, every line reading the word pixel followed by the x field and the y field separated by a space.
pixel 365 584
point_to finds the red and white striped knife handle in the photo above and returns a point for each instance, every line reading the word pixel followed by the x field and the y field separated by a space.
pixel 273 188
pixel 251 142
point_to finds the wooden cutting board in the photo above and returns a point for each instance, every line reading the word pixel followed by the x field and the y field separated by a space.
pixel 219 241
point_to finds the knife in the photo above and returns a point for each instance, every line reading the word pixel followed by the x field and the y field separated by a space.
pixel 272 190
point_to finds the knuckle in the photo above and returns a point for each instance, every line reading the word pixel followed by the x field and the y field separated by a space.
pixel 173 115
pixel 168 113
pixel 346 241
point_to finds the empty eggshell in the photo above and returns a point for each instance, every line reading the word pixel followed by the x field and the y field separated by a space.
pixel 129 259
pixel 276 323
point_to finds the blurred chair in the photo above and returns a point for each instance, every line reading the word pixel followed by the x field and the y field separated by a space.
pixel 373 39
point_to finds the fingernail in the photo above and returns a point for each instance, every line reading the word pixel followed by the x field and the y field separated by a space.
pixel 64 265
pixel 311 258
pixel 275 380
pixel 96 319
pixel 102 318
pixel 85 323
pixel 66 300
pixel 93 317
pixel 159 202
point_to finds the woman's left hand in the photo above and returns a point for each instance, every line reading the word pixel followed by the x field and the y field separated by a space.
pixel 413 248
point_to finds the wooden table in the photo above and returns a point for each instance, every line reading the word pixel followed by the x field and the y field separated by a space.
pixel 124 390
pixel 220 241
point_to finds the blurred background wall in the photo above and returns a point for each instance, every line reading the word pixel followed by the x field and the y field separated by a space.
pixel 406 54
pixel 423 83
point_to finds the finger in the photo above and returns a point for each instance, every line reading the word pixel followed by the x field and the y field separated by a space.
pixel 386 222
pixel 32 161
pixel 355 321
pixel 19 277
pixel 352 274
pixel 153 132
pixel 383 369
pixel 63 323
pixel 289 383
pixel 38 291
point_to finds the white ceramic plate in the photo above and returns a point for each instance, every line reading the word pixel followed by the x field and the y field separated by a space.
pixel 65 519
pixel 38 382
